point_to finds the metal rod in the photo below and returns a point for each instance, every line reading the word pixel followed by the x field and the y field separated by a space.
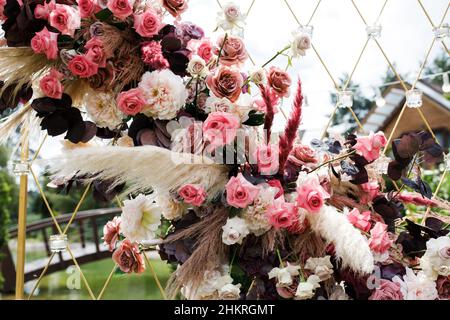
pixel 22 217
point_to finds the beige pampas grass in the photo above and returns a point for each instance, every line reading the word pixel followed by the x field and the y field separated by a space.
pixel 350 245
pixel 12 122
pixel 143 168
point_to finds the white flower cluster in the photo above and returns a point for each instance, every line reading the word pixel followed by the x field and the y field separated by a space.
pixel 436 260
pixel 102 109
pixel 216 285
pixel 417 286
pixel 255 216
pixel 321 267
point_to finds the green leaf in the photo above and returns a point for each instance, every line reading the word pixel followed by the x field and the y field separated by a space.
pixel 255 118
pixel 104 14
pixel 234 212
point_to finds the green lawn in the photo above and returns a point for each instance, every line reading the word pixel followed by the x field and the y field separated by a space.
pixel 122 286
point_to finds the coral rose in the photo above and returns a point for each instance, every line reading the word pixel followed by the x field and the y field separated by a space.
pixel 128 258
pixel 51 84
pixel 45 42
pixel 111 232
pixel 131 102
pixel 147 24
pixel 121 9
pixel 88 8
pixel 82 66
pixel 193 194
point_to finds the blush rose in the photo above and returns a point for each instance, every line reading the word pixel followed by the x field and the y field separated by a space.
pixel 311 195
pixel 82 66
pixel 279 81
pixel 121 9
pixel 65 19
pixel 232 51
pixel 225 83
pixel 281 214
pixel 370 146
pixel 45 42
pixel 128 258
pixel 220 128
pixel 111 232
pixel 147 24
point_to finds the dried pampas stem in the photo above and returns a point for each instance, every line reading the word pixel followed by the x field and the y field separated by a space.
pixel 143 168
pixel 350 246
pixel 270 240
pixel 12 122
pixel 209 254
pixel 308 244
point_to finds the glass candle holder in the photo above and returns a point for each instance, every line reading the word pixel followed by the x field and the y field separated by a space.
pixel 345 99
pixel 307 29
pixel 58 242
pixel 374 31
pixel 441 32
pixel 414 98
pixel 21 167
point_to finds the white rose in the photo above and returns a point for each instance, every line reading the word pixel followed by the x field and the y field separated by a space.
pixel 230 291
pixel 436 260
pixel 300 44
pixel 197 67
pixel 417 287
pixel 230 17
pixel 234 231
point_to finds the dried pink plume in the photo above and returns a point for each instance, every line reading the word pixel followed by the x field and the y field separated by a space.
pixel 270 112
pixel 290 132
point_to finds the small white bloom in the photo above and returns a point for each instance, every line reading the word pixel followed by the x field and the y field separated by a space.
pixel 214 104
pixel 321 267
pixel 258 76
pixel 300 44
pixel 234 231
pixel 436 260
pixel 140 218
pixel 164 92
pixel 230 17
pixel 230 291
pixel 306 290
pixel 417 287
pixel 197 67
pixel 284 275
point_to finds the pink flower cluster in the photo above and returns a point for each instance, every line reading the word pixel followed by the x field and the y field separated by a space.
pixel 152 55
pixel 370 146
pixel 360 220
pixel 379 241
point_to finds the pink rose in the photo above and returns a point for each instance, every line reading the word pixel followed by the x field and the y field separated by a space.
pixel 152 55
pixel 202 48
pixel 147 24
pixel 121 8
pixel 65 19
pixel 193 194
pixel 45 42
pixel 302 155
pixel 88 8
pixel 220 128
pixel 369 191
pixel 379 241
pixel 51 84
pixel 279 81
pixel 131 102
pixel 96 52
pixel 111 232
pixel 360 220
pixel 2 10
pixel 225 83
pixel 370 146
pixel 267 159
pixel 387 290
pixel 281 214
pixel 42 11
pixel 233 51
pixel 311 195
pixel 128 258
pixel 82 66
pixel 175 7
pixel 240 192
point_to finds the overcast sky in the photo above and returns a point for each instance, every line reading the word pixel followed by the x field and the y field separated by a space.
pixel 339 35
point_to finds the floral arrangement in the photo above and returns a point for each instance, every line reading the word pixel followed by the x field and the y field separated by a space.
pixel 241 211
